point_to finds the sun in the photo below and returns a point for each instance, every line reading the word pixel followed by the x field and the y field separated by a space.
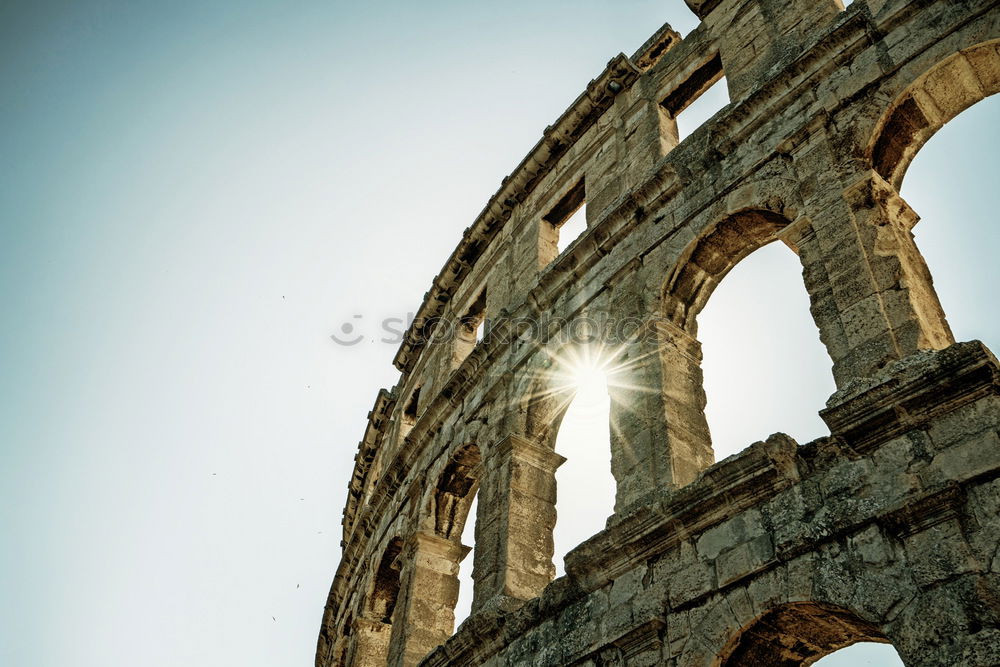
pixel 590 373
pixel 587 371
pixel 593 374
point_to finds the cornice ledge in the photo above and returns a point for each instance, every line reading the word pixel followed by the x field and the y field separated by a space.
pixel 618 76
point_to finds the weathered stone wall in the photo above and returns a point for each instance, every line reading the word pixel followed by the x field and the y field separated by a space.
pixel 887 530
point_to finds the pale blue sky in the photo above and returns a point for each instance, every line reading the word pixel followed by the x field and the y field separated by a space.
pixel 193 196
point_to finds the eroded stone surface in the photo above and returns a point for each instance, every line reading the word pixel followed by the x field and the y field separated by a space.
pixel 887 530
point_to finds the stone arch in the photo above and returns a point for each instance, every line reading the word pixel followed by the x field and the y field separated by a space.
pixel 432 554
pixel 456 487
pixel 797 633
pixel 710 257
pixel 513 559
pixel 366 634
pixel 546 394
pixel 453 504
pixel 701 267
pixel 384 594
pixel 552 387
pixel 956 208
pixel 932 99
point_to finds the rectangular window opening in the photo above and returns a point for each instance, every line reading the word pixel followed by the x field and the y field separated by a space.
pixel 700 97
pixel 410 412
pixel 565 223
pixel 470 330
pixel 572 228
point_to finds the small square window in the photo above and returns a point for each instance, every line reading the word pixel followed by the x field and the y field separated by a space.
pixel 565 223
pixel 699 98
pixel 470 329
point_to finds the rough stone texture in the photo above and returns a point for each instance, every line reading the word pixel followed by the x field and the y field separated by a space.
pixel 887 530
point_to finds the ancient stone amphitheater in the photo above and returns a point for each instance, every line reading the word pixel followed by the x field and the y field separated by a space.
pixel 886 531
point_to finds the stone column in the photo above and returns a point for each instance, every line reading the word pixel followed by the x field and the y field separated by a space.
pixel 517 496
pixel 659 436
pixel 425 613
pixel 370 647
pixel 872 296
pixel 684 403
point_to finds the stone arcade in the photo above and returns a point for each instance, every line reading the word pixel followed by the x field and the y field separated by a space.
pixel 887 530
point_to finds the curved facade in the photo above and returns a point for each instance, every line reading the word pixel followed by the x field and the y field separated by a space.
pixel 887 530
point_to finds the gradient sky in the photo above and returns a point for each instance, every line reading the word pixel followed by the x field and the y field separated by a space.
pixel 195 195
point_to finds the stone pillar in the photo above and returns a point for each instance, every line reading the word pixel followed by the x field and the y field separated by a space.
pixel 659 436
pixel 754 36
pixel 646 133
pixel 517 496
pixel 684 403
pixel 425 614
pixel 371 643
pixel 872 296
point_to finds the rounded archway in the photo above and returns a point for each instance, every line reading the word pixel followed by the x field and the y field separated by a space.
pixel 795 634
pixel 455 506
pixel 956 234
pixel 743 393
pixel 954 206
pixel 711 257
pixel 930 101
pixel 569 412
pixel 585 487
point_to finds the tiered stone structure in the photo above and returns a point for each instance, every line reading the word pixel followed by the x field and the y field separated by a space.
pixel 887 530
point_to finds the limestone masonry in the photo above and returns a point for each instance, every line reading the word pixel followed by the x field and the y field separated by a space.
pixel 887 530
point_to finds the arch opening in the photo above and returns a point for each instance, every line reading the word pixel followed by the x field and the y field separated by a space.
pixel 455 507
pixel 385 591
pixel 956 233
pixel 711 257
pixel 800 633
pixel 585 488
pixel 455 490
pixel 930 101
pixel 765 369
pixel 569 412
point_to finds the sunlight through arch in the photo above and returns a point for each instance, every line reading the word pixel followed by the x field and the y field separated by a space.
pixel 585 488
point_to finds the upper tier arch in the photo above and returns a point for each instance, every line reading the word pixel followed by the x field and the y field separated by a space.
pixel 929 101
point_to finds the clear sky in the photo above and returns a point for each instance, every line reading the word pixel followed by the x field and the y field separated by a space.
pixel 195 195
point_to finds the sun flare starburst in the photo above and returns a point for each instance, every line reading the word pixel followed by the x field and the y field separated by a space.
pixel 590 370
